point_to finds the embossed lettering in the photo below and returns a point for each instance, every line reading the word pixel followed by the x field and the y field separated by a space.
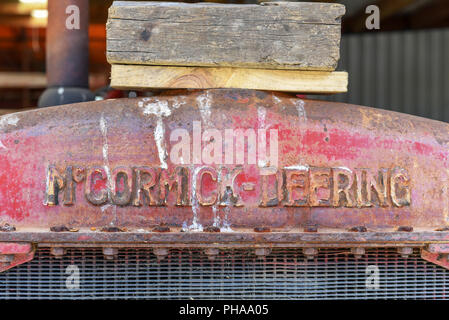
pixel 145 181
pixel 297 187
pixel 55 183
pixel 201 199
pixel 343 181
pixel 121 185
pixel 95 188
pixel 400 187
pixel 320 187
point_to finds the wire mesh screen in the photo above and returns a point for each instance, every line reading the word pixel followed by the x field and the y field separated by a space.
pixel 234 274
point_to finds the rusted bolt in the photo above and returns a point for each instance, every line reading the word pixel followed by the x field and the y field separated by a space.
pixel 261 253
pixel 7 228
pixel 161 229
pixel 405 251
pixel 405 229
pixel 59 229
pixel 211 229
pixel 211 253
pixel 160 253
pixel 57 252
pixel 262 229
pixel 110 253
pixel 311 228
pixel 111 229
pixel 358 252
pixel 310 253
pixel 358 229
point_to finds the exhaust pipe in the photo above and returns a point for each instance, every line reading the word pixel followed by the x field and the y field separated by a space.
pixel 67 53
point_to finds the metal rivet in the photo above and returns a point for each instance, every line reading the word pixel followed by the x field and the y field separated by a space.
pixel 211 253
pixel 310 253
pixel 358 229
pixel 262 229
pixel 160 253
pixel 405 229
pixel 358 252
pixel 211 229
pixel 405 251
pixel 58 252
pixel 161 229
pixel 109 253
pixel 311 228
pixel 261 253
pixel 7 228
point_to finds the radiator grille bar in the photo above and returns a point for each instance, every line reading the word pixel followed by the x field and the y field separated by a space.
pixel 234 274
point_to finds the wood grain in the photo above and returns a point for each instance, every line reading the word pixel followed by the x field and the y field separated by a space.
pixel 139 77
pixel 276 35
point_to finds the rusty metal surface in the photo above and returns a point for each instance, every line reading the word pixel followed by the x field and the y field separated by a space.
pixel 67 49
pixel 108 164
pixel 439 259
pixel 437 253
pixel 13 254
pixel 228 239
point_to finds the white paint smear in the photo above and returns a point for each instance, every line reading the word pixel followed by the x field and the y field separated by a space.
pixel 8 120
pixel 104 132
pixel 195 226
pixel 301 111
pixel 297 167
pixel 159 109
pixel 205 107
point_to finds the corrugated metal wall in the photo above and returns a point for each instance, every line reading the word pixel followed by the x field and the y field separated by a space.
pixel 401 71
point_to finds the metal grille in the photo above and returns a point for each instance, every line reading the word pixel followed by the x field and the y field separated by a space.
pixel 234 274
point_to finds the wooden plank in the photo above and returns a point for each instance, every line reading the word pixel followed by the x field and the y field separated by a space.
pixel 38 80
pixel 144 77
pixel 30 80
pixel 8 111
pixel 274 35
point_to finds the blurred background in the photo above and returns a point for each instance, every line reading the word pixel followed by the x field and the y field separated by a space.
pixel 404 66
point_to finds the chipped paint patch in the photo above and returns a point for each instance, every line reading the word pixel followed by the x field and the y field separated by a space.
pixel 205 107
pixel 276 99
pixel 215 208
pixel 159 133
pixel 261 116
pixel 8 120
pixel 195 226
pixel 159 109
pixel 178 102
pixel 105 207
pixel 300 108
pixel 226 226
pixel 297 167
pixel 104 132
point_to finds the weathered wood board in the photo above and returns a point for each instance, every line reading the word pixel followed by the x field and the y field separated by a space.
pixel 144 77
pixel 273 35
